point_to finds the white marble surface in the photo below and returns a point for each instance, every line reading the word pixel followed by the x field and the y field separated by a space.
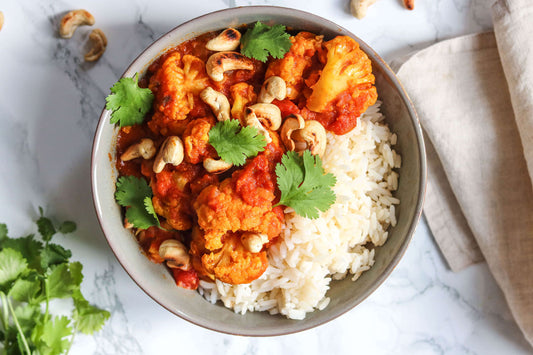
pixel 50 101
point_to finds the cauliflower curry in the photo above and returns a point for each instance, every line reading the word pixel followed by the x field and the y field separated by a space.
pixel 218 219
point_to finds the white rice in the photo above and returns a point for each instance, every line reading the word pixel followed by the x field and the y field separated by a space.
pixel 311 253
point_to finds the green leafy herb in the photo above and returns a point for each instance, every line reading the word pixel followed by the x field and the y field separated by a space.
pixel 46 228
pixel 128 102
pixel 261 40
pixel 135 194
pixel 303 184
pixel 67 227
pixel 32 274
pixel 12 264
pixel 234 144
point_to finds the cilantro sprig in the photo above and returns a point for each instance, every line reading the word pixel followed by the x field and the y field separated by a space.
pixel 128 102
pixel 303 184
pixel 33 273
pixel 233 143
pixel 135 194
pixel 261 40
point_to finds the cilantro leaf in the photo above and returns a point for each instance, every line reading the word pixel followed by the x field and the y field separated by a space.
pixel 67 227
pixel 88 318
pixel 303 184
pixel 28 247
pixel 24 290
pixel 261 40
pixel 3 232
pixel 54 254
pixel 60 281
pixel 233 145
pixel 75 273
pixel 45 227
pixel 134 193
pixel 12 264
pixel 149 207
pixel 25 284
pixel 128 102
pixel 49 335
pixel 26 315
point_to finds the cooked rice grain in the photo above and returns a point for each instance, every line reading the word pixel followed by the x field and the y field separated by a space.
pixel 311 253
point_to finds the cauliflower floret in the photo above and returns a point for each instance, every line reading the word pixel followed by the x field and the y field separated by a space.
pixel 196 140
pixel 172 194
pixel 347 68
pixel 292 66
pixel 221 208
pixel 234 264
pixel 176 84
pixel 242 95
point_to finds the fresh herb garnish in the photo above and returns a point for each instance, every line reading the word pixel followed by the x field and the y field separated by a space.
pixel 135 194
pixel 233 143
pixel 261 40
pixel 128 102
pixel 33 273
pixel 303 184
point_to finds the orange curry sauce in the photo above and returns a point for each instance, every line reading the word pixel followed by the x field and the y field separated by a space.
pixel 210 213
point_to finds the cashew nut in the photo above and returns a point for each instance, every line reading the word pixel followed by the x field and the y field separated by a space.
pixel 171 151
pixel 218 102
pixel 145 148
pixel 253 242
pixel 71 21
pixel 314 134
pixel 291 124
pixel 299 135
pixel 98 45
pixel 268 114
pixel 273 88
pixel 1 19
pixel 221 62
pixel 216 166
pixel 409 4
pixel 227 40
pixel 359 7
pixel 253 121
pixel 175 254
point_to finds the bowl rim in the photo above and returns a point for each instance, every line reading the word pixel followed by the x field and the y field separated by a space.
pixel 273 10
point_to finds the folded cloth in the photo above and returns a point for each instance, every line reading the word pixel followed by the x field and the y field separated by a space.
pixel 474 97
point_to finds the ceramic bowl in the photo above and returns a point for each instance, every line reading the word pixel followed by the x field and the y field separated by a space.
pixel 157 282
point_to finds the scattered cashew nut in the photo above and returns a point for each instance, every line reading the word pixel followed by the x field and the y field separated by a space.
pixel 1 19
pixel 218 102
pixel 273 88
pixel 359 7
pixel 253 242
pixel 216 166
pixel 71 21
pixel 171 151
pixel 221 62
pixel 268 114
pixel 145 148
pixel 409 4
pixel 98 45
pixel 227 40
pixel 175 254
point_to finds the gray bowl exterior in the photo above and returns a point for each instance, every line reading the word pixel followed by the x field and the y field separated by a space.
pixel 157 282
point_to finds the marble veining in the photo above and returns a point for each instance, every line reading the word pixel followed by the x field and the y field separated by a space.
pixel 50 103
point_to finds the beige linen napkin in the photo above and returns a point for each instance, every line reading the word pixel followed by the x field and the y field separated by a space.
pixel 474 97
